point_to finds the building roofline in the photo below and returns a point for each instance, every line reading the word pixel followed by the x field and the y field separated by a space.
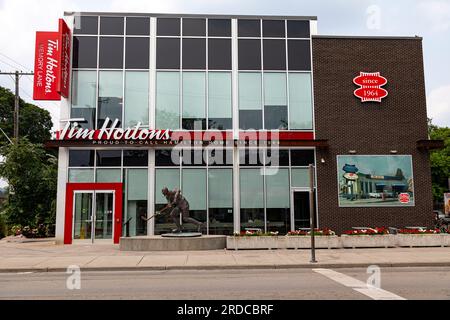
pixel 182 15
pixel 368 37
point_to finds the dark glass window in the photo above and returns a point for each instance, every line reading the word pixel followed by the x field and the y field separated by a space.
pixel 250 157
pixel 138 26
pixel 299 55
pixel 85 52
pixel 88 114
pixel 109 107
pixel 283 158
pixel 273 28
pixel 190 123
pixel 275 117
pixel 274 54
pixel 249 28
pixel 298 29
pixel 111 25
pixel 219 54
pixel 220 157
pixel 109 158
pixel 249 55
pixel 220 123
pixel 194 53
pixel 219 28
pixel 168 27
pixel 137 53
pixel 193 157
pixel 168 53
pixel 250 119
pixel 302 157
pixel 135 158
pixel 85 25
pixel 81 158
pixel 194 27
pixel 163 158
pixel 111 53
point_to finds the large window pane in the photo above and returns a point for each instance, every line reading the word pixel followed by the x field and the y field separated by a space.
pixel 300 104
pixel 219 27
pixel 109 158
pixel 194 92
pixel 219 100
pixel 135 158
pixel 219 54
pixel 220 185
pixel 300 177
pixel 274 52
pixel 193 187
pixel 275 104
pixel 250 91
pixel 84 86
pixel 168 27
pixel 138 26
pixel 277 200
pixel 298 28
pixel 136 98
pixel 169 178
pixel 136 195
pixel 137 53
pixel 111 53
pixel 302 157
pixel 81 175
pixel 299 55
pixel 249 55
pixel 84 52
pixel 194 27
pixel 250 119
pixel 194 53
pixel 252 198
pixel 168 100
pixel 81 158
pixel 110 97
pixel 249 28
pixel 111 25
pixel 273 28
pixel 85 25
pixel 168 53
pixel 108 175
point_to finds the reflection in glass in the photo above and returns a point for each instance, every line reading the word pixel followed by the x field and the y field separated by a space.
pixel 194 100
pixel 252 198
pixel 220 185
pixel 168 100
pixel 300 104
pixel 82 220
pixel 136 98
pixel 219 100
pixel 277 200
pixel 194 190
pixel 136 196
pixel 110 97
pixel 84 85
pixel 169 178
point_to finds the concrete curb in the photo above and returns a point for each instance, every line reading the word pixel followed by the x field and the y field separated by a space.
pixel 239 267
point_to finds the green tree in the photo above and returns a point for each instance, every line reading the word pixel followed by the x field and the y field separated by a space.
pixel 31 174
pixel 440 161
pixel 34 122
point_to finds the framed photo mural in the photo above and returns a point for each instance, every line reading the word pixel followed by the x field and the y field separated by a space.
pixel 375 180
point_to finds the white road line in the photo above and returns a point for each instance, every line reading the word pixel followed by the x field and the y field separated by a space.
pixel 359 286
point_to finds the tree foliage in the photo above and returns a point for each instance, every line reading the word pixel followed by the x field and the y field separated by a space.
pixel 31 174
pixel 440 161
pixel 34 122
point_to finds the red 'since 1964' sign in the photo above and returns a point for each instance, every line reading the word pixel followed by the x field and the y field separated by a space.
pixel 370 84
pixel 52 64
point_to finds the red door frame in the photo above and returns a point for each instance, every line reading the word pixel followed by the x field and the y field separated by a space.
pixel 71 187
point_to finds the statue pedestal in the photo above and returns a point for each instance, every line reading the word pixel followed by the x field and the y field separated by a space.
pixel 182 241
pixel 182 235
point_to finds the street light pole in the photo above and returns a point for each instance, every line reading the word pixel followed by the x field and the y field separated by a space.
pixel 312 219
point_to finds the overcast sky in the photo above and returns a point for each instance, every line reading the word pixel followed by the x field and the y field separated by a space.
pixel 20 19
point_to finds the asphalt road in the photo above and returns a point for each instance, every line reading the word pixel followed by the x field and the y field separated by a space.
pixel 396 283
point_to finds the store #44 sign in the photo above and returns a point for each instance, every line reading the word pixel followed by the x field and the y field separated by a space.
pixel 370 84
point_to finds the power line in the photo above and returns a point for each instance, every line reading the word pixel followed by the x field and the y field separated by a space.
pixel 15 61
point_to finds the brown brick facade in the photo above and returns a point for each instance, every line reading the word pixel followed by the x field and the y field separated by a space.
pixel 370 128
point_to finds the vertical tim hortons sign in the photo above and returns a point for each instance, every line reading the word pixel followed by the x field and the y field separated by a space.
pixel 52 63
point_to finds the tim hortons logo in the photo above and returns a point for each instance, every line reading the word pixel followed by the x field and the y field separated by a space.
pixel 370 84
pixel 109 131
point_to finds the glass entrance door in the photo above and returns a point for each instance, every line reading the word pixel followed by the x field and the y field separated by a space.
pixel 93 215
pixel 301 209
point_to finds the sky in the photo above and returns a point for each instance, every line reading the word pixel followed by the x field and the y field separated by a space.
pixel 430 19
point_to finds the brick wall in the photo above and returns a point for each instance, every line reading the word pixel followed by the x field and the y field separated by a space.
pixel 370 128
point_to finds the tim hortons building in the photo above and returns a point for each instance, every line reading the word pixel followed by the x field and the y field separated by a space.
pixel 232 110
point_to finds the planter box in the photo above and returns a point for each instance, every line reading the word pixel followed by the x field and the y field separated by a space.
pixel 304 242
pixel 281 242
pixel 368 241
pixel 423 240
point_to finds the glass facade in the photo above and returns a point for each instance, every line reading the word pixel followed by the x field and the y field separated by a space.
pixel 195 74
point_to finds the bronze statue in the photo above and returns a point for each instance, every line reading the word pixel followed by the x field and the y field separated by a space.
pixel 178 203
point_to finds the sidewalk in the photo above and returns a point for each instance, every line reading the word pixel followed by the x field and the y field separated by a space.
pixel 46 256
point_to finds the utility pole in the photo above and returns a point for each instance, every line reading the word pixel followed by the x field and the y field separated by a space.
pixel 17 75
